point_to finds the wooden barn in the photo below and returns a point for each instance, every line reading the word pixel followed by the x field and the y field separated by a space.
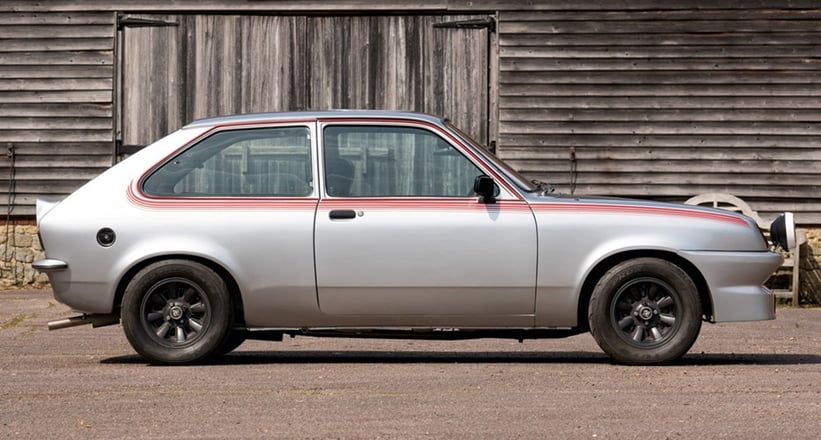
pixel 639 98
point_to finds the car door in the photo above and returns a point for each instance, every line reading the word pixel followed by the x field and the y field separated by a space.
pixel 401 238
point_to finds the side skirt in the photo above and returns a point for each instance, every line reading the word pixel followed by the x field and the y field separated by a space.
pixel 447 334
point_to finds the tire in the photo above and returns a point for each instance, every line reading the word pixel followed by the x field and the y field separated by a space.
pixel 645 311
pixel 233 341
pixel 177 312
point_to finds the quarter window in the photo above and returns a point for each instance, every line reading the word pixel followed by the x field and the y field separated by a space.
pixel 378 161
pixel 264 162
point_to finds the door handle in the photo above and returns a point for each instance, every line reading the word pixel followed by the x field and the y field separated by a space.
pixel 342 214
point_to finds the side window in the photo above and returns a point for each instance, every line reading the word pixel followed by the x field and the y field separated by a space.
pixel 262 162
pixel 385 161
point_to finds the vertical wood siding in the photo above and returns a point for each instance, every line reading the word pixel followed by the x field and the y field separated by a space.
pixel 151 90
pixel 56 79
pixel 401 63
pixel 666 104
pixel 210 65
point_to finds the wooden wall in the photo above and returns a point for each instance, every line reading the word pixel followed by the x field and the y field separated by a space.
pixel 56 74
pixel 666 104
pixel 210 65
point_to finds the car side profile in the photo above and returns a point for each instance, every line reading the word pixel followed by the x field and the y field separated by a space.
pixel 383 224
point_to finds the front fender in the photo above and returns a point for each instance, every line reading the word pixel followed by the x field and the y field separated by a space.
pixel 560 284
pixel 573 243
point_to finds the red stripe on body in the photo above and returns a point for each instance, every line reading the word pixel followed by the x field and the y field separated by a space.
pixel 412 203
pixel 636 209
pixel 221 202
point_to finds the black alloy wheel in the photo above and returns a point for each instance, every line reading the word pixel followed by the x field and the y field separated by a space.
pixel 645 311
pixel 177 312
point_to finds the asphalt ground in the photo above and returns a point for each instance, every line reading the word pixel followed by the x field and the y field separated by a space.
pixel 745 380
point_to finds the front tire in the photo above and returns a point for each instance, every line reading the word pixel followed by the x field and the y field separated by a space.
pixel 177 312
pixel 233 341
pixel 645 311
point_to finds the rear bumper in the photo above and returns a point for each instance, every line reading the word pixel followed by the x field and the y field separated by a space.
pixel 86 297
pixel 48 265
pixel 736 283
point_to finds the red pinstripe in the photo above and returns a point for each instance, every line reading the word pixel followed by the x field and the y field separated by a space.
pixel 636 209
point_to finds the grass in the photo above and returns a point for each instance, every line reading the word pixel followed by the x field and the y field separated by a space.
pixel 15 321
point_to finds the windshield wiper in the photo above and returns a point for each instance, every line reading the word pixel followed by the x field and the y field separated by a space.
pixel 543 187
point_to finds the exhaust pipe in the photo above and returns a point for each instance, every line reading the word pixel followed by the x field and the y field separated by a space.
pixel 94 320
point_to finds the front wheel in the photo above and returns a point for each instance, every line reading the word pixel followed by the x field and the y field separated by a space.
pixel 177 312
pixel 645 311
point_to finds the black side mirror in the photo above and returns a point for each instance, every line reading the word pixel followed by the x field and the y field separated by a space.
pixel 486 188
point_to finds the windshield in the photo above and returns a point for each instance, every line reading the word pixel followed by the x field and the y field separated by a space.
pixel 497 163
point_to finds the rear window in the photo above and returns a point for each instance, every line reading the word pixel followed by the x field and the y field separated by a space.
pixel 260 162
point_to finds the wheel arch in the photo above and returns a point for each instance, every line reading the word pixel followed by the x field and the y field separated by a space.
pixel 611 261
pixel 230 282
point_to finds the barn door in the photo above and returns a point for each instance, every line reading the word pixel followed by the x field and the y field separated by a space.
pixel 430 64
pixel 149 69
pixel 174 69
pixel 461 74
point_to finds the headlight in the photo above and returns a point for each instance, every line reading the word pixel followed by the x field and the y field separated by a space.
pixel 782 231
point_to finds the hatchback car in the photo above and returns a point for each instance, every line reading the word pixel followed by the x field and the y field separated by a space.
pixel 383 224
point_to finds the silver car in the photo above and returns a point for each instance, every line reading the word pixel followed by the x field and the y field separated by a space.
pixel 383 224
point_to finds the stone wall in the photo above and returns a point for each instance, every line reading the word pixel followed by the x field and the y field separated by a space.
pixel 811 268
pixel 19 247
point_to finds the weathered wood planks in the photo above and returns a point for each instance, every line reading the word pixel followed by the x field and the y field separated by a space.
pixel 56 127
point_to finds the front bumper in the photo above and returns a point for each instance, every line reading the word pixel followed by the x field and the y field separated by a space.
pixel 736 283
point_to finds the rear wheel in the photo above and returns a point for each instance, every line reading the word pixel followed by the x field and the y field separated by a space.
pixel 645 311
pixel 176 312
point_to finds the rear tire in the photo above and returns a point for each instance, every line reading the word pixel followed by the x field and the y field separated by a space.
pixel 177 312
pixel 645 311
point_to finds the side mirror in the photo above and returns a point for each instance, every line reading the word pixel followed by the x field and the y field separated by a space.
pixel 486 188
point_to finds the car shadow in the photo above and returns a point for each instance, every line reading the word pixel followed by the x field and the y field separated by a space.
pixel 426 357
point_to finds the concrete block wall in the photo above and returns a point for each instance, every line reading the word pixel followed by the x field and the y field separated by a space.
pixel 19 247
pixel 811 268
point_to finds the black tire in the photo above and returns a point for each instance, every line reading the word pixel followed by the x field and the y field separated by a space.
pixel 233 341
pixel 645 311
pixel 177 312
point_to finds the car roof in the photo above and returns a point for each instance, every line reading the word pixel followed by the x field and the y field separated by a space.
pixel 327 114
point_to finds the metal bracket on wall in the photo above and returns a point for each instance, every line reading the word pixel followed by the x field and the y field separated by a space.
pixel 128 21
pixel 488 23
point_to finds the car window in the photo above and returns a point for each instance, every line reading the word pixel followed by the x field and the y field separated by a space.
pixel 262 162
pixel 386 161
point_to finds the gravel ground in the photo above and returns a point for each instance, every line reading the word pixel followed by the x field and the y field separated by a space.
pixel 744 380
